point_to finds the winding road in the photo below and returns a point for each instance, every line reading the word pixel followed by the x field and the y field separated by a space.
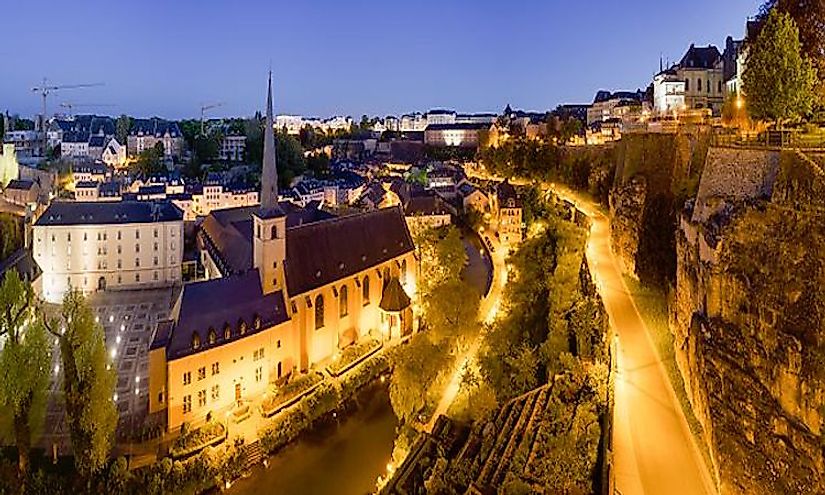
pixel 654 451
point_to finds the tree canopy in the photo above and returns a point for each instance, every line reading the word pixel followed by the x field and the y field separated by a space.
pixel 25 364
pixel 779 80
pixel 88 383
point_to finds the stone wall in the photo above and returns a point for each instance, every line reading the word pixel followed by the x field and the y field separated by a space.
pixel 749 321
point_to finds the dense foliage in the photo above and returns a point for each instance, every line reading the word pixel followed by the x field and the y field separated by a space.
pixel 88 383
pixel 779 80
pixel 11 234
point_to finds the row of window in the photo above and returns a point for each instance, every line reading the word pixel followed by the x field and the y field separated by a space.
pixel 215 392
pixel 699 85
pixel 103 236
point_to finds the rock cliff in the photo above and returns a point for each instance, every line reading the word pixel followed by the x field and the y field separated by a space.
pixel 655 173
pixel 749 317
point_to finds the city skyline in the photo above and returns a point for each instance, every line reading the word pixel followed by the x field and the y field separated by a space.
pixel 355 59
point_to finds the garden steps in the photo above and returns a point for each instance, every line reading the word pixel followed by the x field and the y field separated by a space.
pixel 254 454
pixel 514 419
pixel 538 402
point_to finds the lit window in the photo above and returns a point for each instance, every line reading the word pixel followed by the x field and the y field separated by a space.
pixel 201 373
pixel 343 302
pixel 319 311
pixel 196 341
pixel 365 290
pixel 187 404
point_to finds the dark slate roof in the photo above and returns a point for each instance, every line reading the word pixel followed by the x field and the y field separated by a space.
pixel 456 127
pixel 75 137
pixel 394 298
pixel 440 111
pixel 100 213
pixel 506 191
pixel 20 184
pixel 22 262
pixel 240 299
pixel 426 205
pixel 323 252
pixel 97 141
pixel 227 233
pixel 152 189
pixel 154 127
pixel 700 57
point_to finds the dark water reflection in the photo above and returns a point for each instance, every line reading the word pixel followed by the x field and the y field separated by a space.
pixel 342 459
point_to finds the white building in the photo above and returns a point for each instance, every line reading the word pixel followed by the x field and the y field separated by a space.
pixel 440 117
pixel 215 196
pixel 232 148
pixel 413 122
pixel 95 246
pixel 114 154
pixel 668 93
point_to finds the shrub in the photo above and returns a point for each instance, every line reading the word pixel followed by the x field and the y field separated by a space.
pixel 197 439
pixel 292 389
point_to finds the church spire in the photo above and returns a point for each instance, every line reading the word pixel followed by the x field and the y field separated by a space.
pixel 269 171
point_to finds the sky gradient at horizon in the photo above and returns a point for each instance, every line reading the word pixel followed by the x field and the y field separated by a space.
pixel 346 57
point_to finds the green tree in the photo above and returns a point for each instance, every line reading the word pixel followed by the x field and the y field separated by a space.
pixel 11 235
pixel 318 163
pixel 451 311
pixel 122 127
pixel 417 367
pixel 150 161
pixel 779 80
pixel 24 366
pixel 88 383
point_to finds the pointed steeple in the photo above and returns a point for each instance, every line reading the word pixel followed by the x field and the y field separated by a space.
pixel 269 170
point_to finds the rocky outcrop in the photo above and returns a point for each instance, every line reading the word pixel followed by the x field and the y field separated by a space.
pixel 655 173
pixel 749 318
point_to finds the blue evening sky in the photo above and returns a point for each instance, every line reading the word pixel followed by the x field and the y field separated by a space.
pixel 331 57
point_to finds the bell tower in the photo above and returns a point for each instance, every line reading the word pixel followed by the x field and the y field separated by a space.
pixel 269 222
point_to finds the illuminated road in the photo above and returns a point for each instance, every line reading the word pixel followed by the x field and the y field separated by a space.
pixel 487 311
pixel 654 451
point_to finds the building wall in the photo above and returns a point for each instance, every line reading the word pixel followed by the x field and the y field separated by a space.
pixel 249 364
pixel 509 226
pixel 711 94
pixel 117 256
pixel 362 319
pixel 452 137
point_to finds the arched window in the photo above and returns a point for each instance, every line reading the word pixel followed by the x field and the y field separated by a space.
pixel 273 233
pixel 319 311
pixel 212 336
pixel 242 326
pixel 196 341
pixel 227 332
pixel 403 275
pixel 365 290
pixel 257 322
pixel 343 302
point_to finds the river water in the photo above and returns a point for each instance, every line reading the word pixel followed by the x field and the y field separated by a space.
pixel 342 459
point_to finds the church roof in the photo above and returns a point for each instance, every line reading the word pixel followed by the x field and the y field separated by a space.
pixel 241 300
pixel 228 232
pixel 323 252
pixel 394 298
pixel 705 57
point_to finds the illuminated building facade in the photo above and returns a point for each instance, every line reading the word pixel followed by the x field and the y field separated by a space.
pixel 95 246
pixel 289 288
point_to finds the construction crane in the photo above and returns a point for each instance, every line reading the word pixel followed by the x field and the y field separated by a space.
pixel 45 90
pixel 206 107
pixel 71 105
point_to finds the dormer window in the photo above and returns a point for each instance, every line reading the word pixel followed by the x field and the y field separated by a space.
pixel 196 341
pixel 257 322
pixel 242 326
pixel 212 336
pixel 227 332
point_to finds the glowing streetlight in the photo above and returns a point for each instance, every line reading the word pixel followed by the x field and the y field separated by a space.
pixel 111 318
pixel 56 369
pixel 114 397
pixel 113 353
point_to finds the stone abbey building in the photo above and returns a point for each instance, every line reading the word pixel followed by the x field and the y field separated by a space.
pixel 289 288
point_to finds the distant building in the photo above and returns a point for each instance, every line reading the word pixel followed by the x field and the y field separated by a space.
pixel 607 105
pixel 75 144
pixel 440 117
pixel 9 167
pixel 94 246
pixel 454 135
pixel 146 133
pixel 696 82
pixel 427 210
pixel 473 198
pixel 22 192
pixel 233 148
pixel 507 211
pixel 27 144
pixel 89 172
pixel 114 154
pixel 475 118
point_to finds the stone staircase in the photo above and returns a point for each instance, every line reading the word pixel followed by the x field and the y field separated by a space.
pixel 254 454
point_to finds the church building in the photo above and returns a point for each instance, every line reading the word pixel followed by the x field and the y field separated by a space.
pixel 288 289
